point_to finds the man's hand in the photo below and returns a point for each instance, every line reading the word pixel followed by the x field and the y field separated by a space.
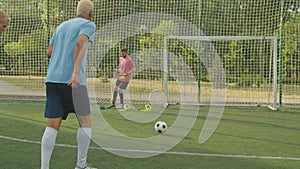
pixel 79 51
pixel 75 82
pixel 123 75
pixel 49 51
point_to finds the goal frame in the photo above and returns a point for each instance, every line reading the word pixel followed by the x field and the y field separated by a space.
pixel 274 39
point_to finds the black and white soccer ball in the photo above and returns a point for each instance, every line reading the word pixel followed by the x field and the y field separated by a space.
pixel 160 127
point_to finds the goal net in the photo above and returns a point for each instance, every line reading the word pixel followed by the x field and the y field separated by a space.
pixel 142 26
pixel 197 70
pixel 247 65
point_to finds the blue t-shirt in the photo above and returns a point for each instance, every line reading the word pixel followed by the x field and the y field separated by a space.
pixel 64 39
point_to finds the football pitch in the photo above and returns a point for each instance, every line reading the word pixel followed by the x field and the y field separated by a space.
pixel 246 138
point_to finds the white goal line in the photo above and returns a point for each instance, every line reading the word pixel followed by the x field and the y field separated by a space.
pixel 162 152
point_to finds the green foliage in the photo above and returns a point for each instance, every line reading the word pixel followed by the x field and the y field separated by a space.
pixel 290 80
pixel 35 41
pixel 234 58
pixel 17 68
pixel 14 49
pixel 33 22
pixel 30 47
pixel 291 46
pixel 151 74
pixel 247 80
pixel 156 38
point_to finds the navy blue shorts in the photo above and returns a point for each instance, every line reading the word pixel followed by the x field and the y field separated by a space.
pixel 122 85
pixel 62 100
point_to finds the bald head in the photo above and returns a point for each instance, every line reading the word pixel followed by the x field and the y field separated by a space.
pixel 85 9
pixel 4 21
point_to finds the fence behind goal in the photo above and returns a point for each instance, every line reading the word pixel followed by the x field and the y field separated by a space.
pixel 141 26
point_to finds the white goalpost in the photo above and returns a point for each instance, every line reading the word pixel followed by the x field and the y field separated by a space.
pixel 251 72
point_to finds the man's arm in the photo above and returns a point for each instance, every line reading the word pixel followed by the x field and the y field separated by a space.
pixel 49 51
pixel 132 67
pixel 79 52
pixel 132 70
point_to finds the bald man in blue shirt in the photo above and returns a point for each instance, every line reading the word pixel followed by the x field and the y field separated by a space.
pixel 66 82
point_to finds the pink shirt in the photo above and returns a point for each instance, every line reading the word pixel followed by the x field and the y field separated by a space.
pixel 126 64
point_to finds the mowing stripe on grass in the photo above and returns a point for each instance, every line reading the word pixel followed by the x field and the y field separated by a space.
pixel 162 152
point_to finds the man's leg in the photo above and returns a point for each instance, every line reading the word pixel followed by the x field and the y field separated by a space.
pixel 83 139
pixel 121 90
pixel 115 95
pixel 48 141
pixel 121 97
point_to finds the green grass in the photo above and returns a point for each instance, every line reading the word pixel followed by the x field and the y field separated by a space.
pixel 251 131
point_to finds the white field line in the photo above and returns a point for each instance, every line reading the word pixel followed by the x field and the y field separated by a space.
pixel 162 152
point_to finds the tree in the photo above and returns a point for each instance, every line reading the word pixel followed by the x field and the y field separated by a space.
pixel 291 53
pixel 14 50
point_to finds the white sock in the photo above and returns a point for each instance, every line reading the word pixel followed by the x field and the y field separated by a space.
pixel 47 145
pixel 83 141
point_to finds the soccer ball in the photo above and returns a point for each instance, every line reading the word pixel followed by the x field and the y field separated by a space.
pixel 160 127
